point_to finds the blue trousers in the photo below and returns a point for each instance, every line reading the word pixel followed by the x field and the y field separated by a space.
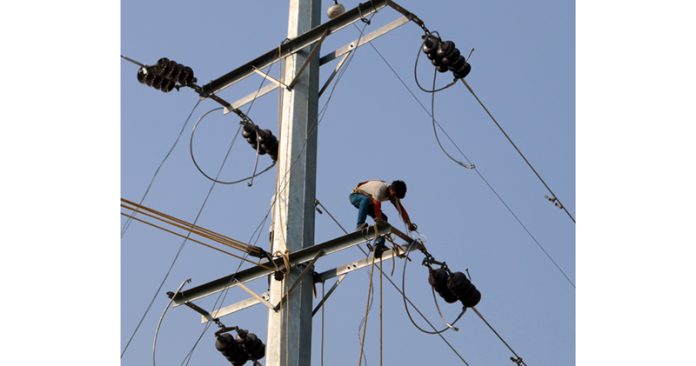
pixel 365 208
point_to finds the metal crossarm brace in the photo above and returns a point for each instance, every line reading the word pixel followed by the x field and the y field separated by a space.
pixel 259 298
pixel 242 101
pixel 310 57
pixel 338 271
pixel 292 46
pixel 269 77
pixel 334 73
pixel 326 297
pixel 298 257
pixel 412 17
pixel 238 306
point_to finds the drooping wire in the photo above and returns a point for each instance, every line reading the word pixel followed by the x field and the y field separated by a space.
pixel 254 173
pixel 367 312
pixel 159 323
pixel 216 180
pixel 403 290
pixel 381 333
pixel 166 156
pixel 323 295
pixel 477 170
pixel 517 149
pixel 439 312
pixel 437 138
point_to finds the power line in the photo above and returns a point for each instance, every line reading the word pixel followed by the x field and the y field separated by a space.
pixel 554 196
pixel 159 323
pixel 519 360
pixel 166 156
pixel 477 170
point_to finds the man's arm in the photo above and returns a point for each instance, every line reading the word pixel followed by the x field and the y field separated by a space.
pixel 404 214
pixel 377 205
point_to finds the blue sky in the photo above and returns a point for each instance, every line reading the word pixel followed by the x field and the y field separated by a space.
pixel 80 133
pixel 523 70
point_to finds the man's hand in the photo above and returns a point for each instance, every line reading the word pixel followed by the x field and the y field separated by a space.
pixel 412 227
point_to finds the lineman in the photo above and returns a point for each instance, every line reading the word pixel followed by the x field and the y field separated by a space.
pixel 368 196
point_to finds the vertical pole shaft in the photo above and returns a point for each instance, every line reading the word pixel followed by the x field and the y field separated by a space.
pixel 290 328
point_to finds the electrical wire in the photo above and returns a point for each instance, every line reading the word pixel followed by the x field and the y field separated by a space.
pixel 323 295
pixel 194 240
pixel 132 61
pixel 437 138
pixel 477 170
pixel 403 289
pixel 254 174
pixel 517 149
pixel 195 229
pixel 381 333
pixel 166 156
pixel 367 312
pixel 159 323
pixel 521 362
pixel 439 312
pixel 216 180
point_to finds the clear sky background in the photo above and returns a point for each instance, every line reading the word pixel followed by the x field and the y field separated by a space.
pixel 523 70
pixel 72 283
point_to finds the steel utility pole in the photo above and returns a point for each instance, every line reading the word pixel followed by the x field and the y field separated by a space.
pixel 290 328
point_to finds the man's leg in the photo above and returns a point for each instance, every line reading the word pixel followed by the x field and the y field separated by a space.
pixel 364 206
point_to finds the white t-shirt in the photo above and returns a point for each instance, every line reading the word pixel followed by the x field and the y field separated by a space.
pixel 377 189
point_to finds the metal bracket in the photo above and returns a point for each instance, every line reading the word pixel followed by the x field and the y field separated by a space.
pixel 199 310
pixel 350 267
pixel 298 279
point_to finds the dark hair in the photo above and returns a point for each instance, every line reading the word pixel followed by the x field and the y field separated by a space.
pixel 399 188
